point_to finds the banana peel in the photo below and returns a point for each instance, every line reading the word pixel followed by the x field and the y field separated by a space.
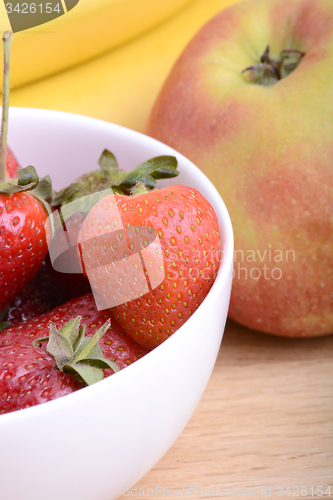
pixel 122 85
pixel 91 28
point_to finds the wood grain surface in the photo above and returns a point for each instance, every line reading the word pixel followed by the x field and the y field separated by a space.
pixel 265 421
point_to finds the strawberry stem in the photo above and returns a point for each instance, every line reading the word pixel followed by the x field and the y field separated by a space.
pixel 7 42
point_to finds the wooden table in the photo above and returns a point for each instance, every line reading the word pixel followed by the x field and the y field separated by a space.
pixel 265 421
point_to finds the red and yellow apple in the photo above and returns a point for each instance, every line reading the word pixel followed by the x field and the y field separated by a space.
pixel 250 102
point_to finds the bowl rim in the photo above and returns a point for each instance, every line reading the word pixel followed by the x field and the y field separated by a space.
pixel 225 266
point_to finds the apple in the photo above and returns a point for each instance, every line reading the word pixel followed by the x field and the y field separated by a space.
pixel 250 102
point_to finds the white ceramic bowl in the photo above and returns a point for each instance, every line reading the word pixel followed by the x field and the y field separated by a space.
pixel 98 442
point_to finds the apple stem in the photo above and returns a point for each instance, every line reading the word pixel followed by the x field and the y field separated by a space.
pixel 7 42
pixel 269 70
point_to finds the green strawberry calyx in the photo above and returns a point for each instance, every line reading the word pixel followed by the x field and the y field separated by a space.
pixel 109 176
pixel 28 181
pixel 75 353
pixel 138 189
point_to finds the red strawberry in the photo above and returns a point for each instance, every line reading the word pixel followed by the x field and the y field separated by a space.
pixel 28 377
pixel 38 297
pixel 31 374
pixel 23 242
pixel 116 345
pixel 75 202
pixel 22 216
pixel 12 165
pixel 188 257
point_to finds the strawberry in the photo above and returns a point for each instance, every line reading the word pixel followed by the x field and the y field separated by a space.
pixel 181 265
pixel 12 165
pixel 72 283
pixel 72 204
pixel 116 345
pixel 23 241
pixel 28 377
pixel 33 369
pixel 38 297
pixel 23 216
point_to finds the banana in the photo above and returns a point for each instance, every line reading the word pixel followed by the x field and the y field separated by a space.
pixel 91 28
pixel 122 85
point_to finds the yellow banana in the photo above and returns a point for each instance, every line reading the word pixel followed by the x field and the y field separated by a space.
pixel 121 86
pixel 91 28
